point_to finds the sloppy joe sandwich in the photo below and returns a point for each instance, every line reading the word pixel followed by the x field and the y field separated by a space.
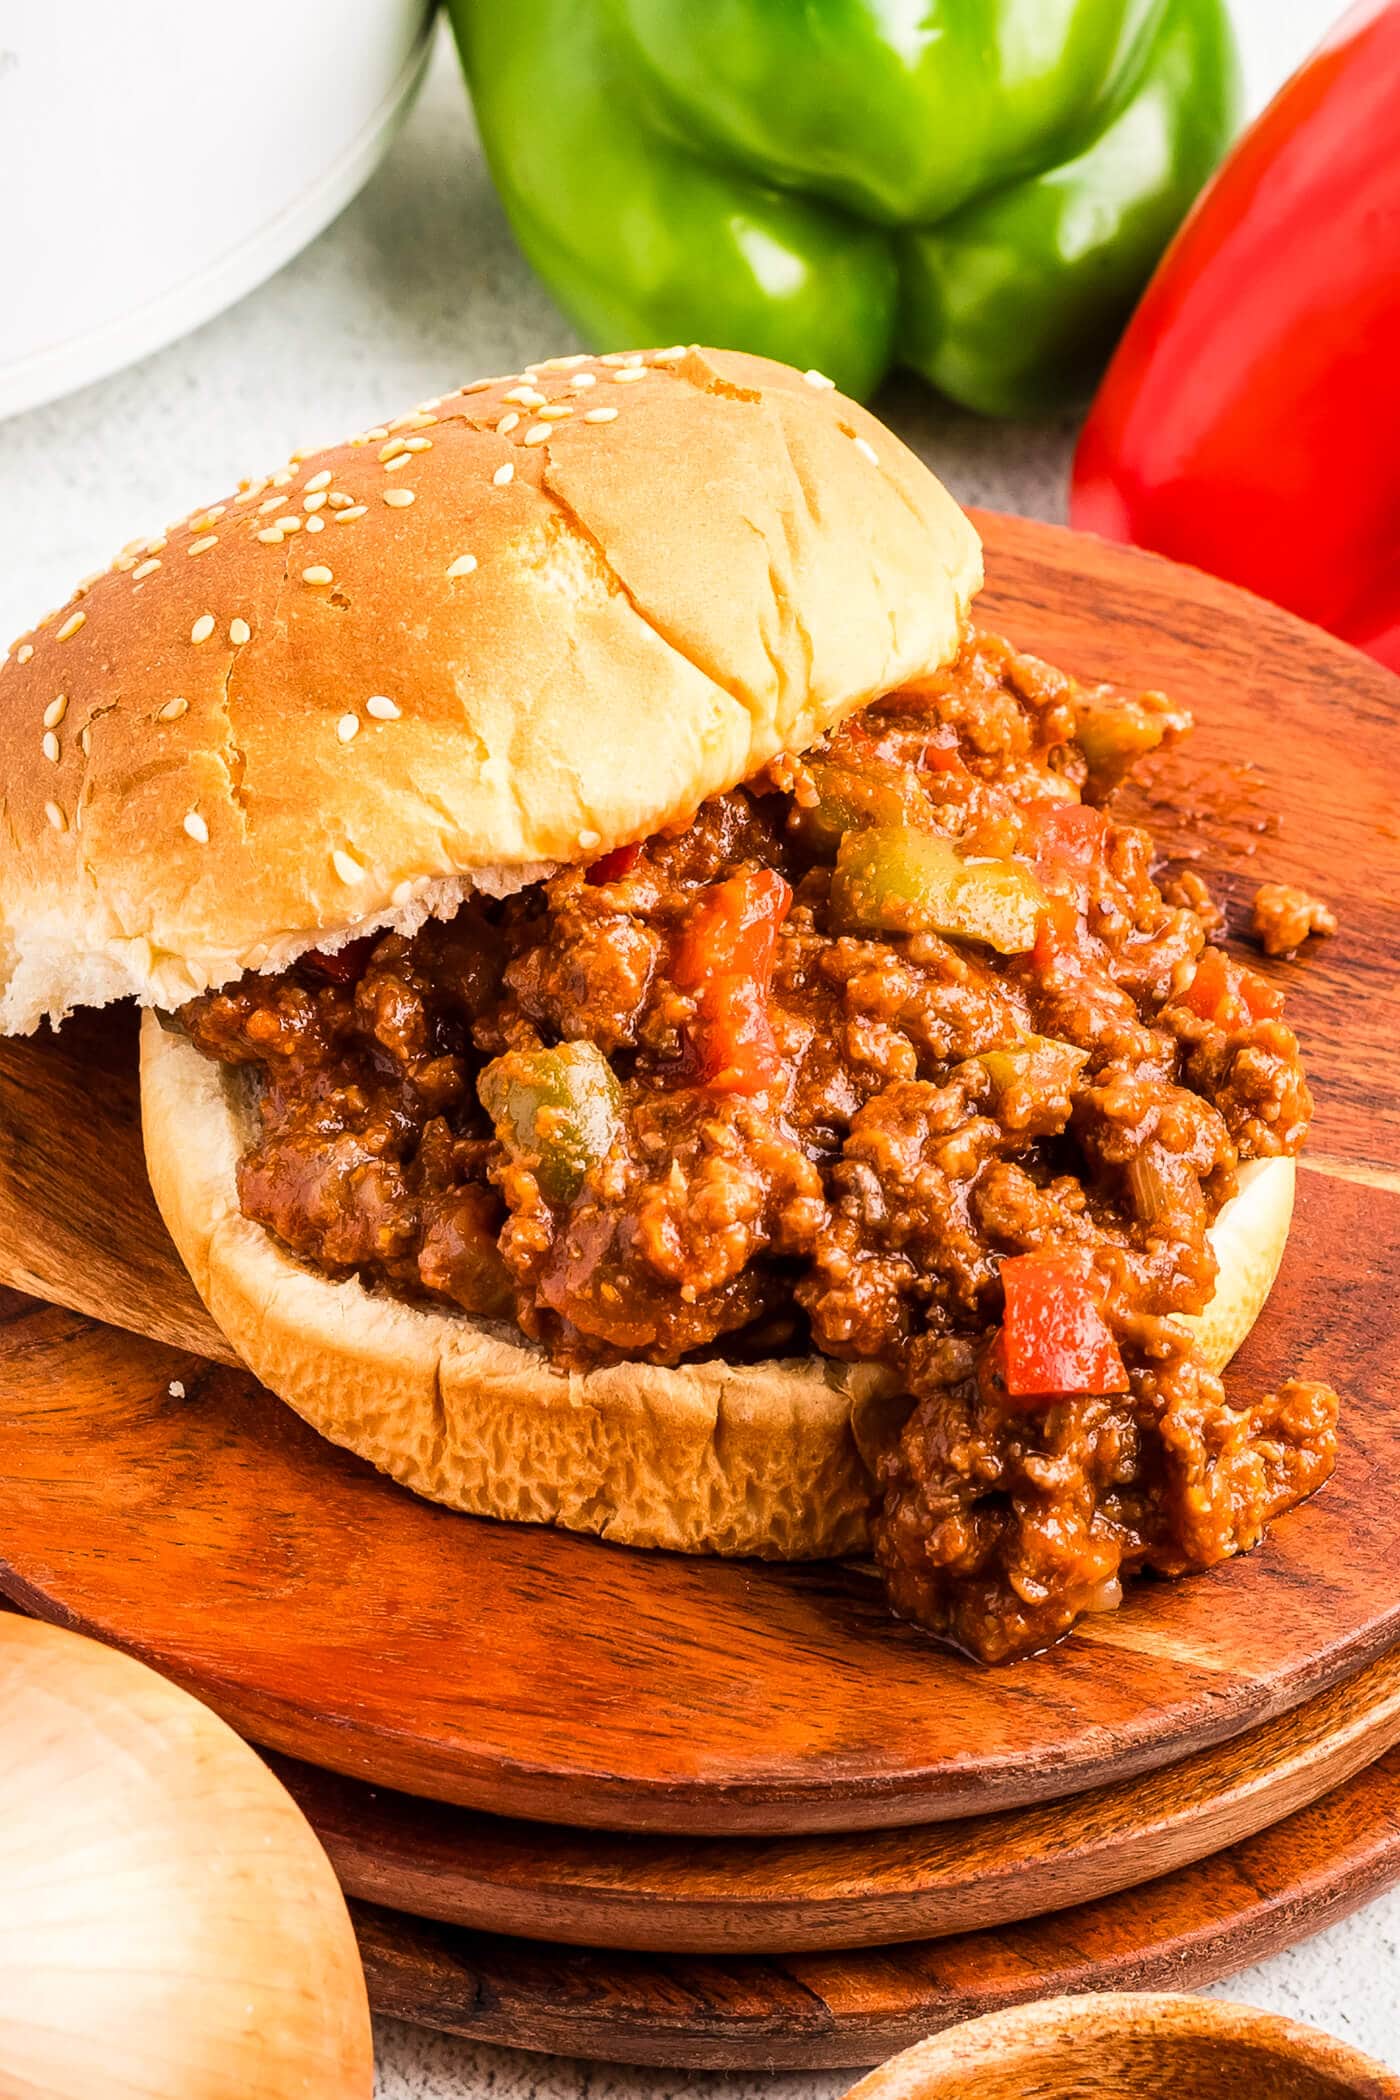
pixel 656 1026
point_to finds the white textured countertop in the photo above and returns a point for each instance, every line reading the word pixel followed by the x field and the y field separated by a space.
pixel 415 288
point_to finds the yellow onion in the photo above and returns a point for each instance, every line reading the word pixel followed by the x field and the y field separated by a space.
pixel 170 1928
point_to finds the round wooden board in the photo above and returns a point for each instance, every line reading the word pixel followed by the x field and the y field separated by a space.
pixel 766 1895
pixel 540 1675
pixel 840 2010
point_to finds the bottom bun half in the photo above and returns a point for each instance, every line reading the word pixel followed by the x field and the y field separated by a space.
pixel 770 1459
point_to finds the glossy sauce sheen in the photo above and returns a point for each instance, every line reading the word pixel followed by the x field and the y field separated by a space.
pixel 830 1133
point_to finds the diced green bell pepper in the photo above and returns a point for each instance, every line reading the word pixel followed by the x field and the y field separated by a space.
pixel 899 879
pixel 1036 1061
pixel 555 1111
pixel 978 189
pixel 848 801
pixel 1115 729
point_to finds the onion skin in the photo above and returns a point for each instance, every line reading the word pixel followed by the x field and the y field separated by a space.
pixel 170 1928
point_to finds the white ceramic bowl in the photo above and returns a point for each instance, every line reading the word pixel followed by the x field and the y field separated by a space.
pixel 158 158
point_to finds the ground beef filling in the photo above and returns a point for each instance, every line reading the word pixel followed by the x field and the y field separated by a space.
pixel 880 1056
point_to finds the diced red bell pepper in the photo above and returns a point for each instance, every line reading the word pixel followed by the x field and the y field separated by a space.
pixel 1247 421
pixel 615 865
pixel 1065 837
pixel 1057 932
pixel 346 965
pixel 1227 993
pixel 942 753
pixel 725 956
pixel 1056 1341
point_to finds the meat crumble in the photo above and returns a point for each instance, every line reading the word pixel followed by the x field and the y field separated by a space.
pixel 1282 917
pixel 897 1052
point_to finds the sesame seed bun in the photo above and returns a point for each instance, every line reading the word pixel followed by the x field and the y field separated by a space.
pixel 523 624
pixel 768 1459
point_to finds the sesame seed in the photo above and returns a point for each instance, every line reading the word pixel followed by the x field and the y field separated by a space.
pixel 24 652
pixel 463 565
pixel 506 473
pixel 379 431
pixel 315 524
pixel 70 626
pixel 382 708
pixel 346 866
pixel 281 480
pixel 147 568
pixel 391 451
pixel 202 628
pixel 556 412
pixel 55 816
pixel 202 546
pixel 155 546
pixel 613 357
pixel 537 433
pixel 357 510
pixel 272 503
pixel 600 415
pixel 401 892
pixel 672 356
pixel 525 396
pixel 196 828
pixel 818 379
pixel 867 451
pixel 589 839
pixel 318 574
pixel 51 747
pixel 346 727
pixel 397 499
pixel 85 740
pixel 270 536
pixel 584 379
pixel 338 500
pixel 314 501
pixel 630 372
pixel 291 523
pixel 419 444
pixel 507 424
pixel 318 482
pixel 400 459
pixel 477 386
pixel 55 711
pixel 173 709
pixel 123 562
pixel 239 632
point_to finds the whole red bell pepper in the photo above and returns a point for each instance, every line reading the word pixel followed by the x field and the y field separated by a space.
pixel 725 956
pixel 1248 420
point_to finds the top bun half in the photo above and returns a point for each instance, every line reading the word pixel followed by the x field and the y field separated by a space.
pixel 518 626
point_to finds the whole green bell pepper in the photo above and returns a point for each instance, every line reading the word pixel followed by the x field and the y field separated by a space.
pixel 975 188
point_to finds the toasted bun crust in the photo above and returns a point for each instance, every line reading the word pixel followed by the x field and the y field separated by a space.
pixel 759 1459
pixel 249 739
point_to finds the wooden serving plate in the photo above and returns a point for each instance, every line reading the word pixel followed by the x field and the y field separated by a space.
pixel 534 1674
pixel 818 2011
pixel 867 1889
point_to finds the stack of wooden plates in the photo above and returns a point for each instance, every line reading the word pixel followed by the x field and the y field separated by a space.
pixel 695 1812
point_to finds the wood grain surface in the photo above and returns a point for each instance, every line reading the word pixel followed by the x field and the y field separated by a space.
pixel 540 1675
pixel 831 2009
pixel 766 1895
